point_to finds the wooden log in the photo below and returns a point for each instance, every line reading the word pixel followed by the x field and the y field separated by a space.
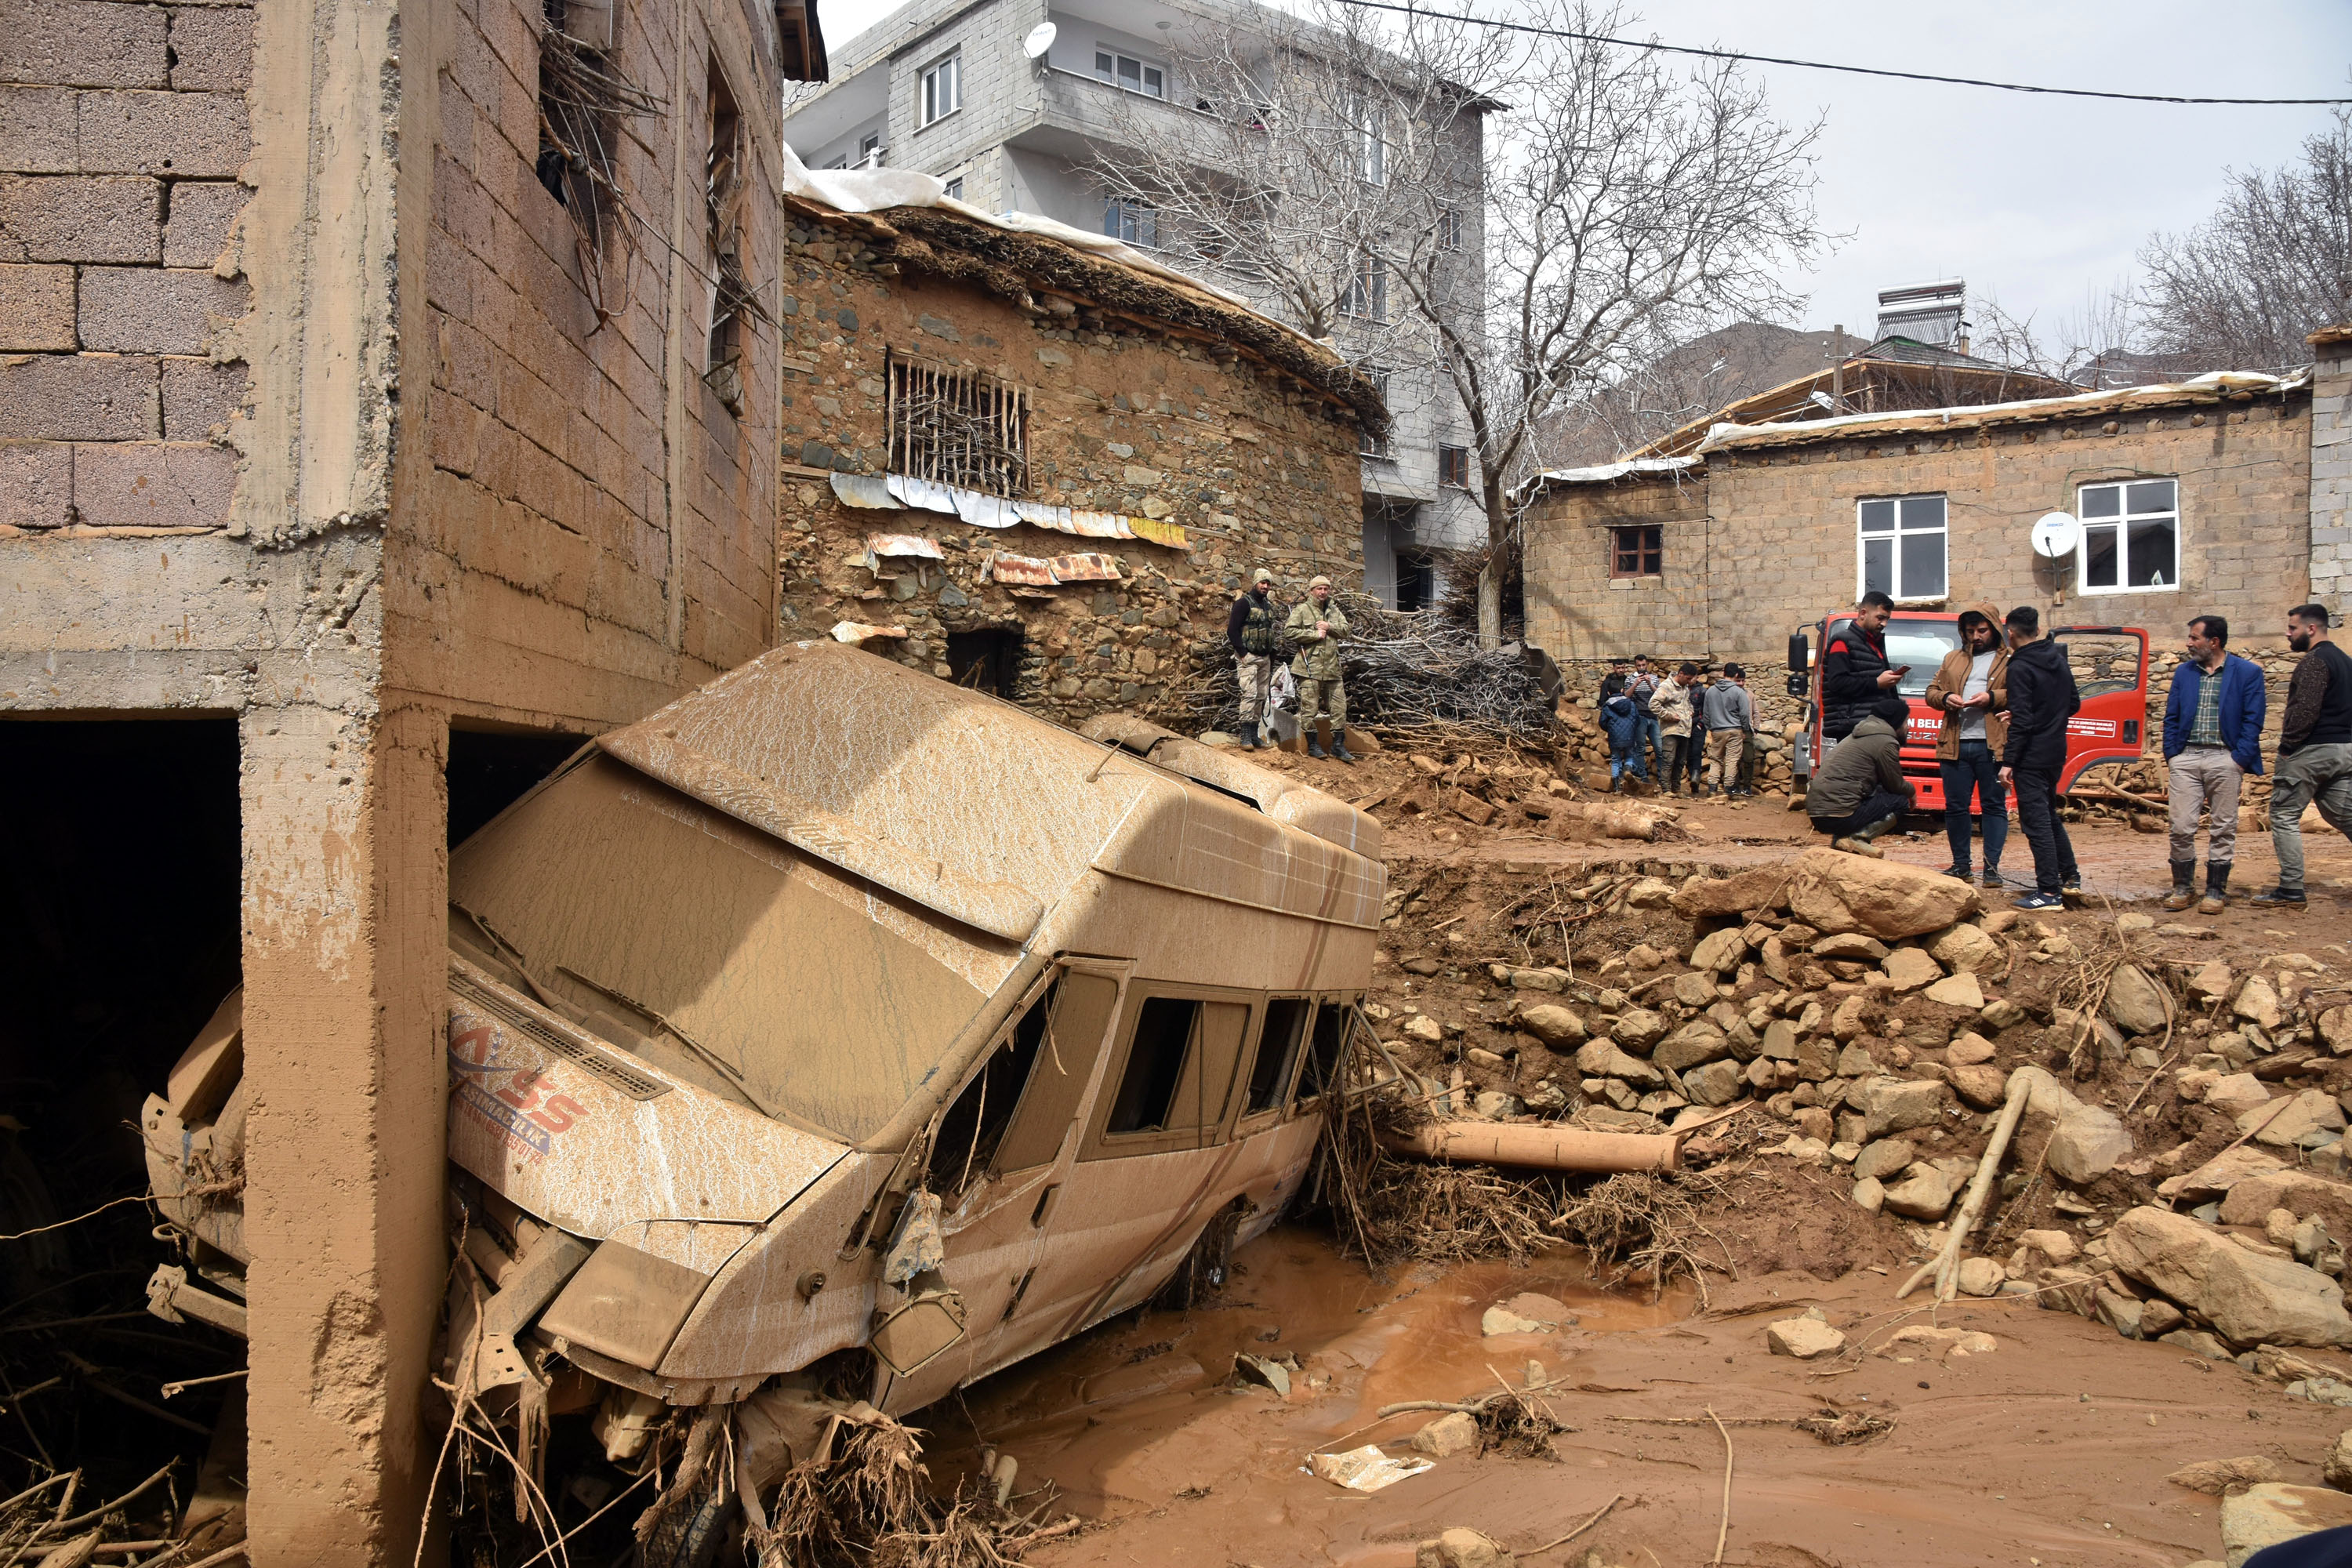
pixel 1538 1147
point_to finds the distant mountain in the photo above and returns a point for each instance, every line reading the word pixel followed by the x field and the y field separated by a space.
pixel 1688 383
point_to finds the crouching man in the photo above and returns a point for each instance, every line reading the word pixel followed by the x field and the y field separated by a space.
pixel 1860 789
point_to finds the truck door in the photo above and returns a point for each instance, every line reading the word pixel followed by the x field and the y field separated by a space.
pixel 2110 666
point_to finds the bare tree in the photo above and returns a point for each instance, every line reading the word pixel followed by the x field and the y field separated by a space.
pixel 2100 342
pixel 2273 264
pixel 1628 204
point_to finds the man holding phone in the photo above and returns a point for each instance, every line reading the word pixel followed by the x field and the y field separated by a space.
pixel 1854 671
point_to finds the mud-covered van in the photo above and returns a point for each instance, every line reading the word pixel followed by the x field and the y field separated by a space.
pixel 838 1026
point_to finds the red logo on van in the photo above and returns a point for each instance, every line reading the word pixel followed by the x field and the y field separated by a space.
pixel 517 1098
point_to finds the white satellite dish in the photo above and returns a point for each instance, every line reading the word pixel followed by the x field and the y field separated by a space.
pixel 1040 39
pixel 2057 533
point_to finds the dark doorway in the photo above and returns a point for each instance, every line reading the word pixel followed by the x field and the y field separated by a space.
pixel 987 660
pixel 490 770
pixel 120 888
pixel 1416 581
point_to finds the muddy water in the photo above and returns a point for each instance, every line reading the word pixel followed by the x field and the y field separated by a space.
pixel 1145 1409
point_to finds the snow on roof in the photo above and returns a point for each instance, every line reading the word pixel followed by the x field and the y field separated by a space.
pixel 2210 387
pixel 1602 473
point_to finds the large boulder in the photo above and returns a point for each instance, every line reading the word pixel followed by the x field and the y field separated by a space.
pixel 2219 1176
pixel 1897 1105
pixel 1717 1083
pixel 2136 1002
pixel 1757 889
pixel 2088 1144
pixel 1965 948
pixel 2313 1111
pixel 1924 1192
pixel 2250 1199
pixel 1886 1157
pixel 1638 1028
pixel 2249 1298
pixel 1554 1025
pixel 1694 1044
pixel 1602 1059
pixel 1909 968
pixel 1723 951
pixel 2274 1511
pixel 1888 899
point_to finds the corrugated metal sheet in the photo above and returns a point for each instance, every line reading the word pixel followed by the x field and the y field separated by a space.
pixel 1168 534
pixel 983 511
pixel 1027 569
pixel 904 544
pixel 1090 568
pixel 859 631
pixel 868 491
pixel 1100 525
pixel 922 493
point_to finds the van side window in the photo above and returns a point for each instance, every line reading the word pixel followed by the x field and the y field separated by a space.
pixel 1155 1064
pixel 1083 1004
pixel 1323 1049
pixel 973 1127
pixel 1277 1049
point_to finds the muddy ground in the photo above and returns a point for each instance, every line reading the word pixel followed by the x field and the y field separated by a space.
pixel 2052 1450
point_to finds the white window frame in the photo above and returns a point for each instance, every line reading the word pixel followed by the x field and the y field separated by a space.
pixel 1131 222
pixel 1380 447
pixel 1146 74
pixel 2119 523
pixel 1449 229
pixel 1464 482
pixel 1367 128
pixel 1367 295
pixel 942 90
pixel 1901 528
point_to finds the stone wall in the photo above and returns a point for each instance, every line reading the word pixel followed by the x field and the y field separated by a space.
pixel 1259 469
pixel 122 127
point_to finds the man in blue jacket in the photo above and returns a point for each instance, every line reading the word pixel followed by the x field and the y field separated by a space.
pixel 2212 739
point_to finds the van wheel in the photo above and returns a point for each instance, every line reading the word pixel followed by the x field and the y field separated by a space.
pixel 693 1534
pixel 1204 1269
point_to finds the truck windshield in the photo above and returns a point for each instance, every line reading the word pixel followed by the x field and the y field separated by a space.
pixel 716 954
pixel 1921 644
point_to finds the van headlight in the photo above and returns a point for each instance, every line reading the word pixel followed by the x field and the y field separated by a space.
pixel 625 1303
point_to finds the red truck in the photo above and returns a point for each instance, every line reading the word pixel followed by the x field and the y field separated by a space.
pixel 2110 665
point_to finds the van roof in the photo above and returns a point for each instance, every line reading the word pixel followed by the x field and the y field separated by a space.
pixel 978 809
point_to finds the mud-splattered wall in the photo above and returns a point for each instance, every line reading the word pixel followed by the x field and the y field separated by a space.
pixel 1127 414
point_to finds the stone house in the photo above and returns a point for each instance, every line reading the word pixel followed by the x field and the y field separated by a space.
pixel 1150 440
pixel 2193 497
pixel 949 90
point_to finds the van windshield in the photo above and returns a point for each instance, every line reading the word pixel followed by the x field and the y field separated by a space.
pixel 716 954
pixel 1920 644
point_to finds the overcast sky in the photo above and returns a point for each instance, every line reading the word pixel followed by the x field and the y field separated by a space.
pixel 2032 199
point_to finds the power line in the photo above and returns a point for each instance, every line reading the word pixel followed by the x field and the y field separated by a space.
pixel 1825 66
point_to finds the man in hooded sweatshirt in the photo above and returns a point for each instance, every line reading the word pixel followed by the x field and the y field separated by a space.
pixel 2041 698
pixel 1970 693
pixel 1860 790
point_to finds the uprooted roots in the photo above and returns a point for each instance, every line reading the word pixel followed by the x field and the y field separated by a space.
pixel 1646 1225
pixel 870 1505
pixel 1513 1425
pixel 1391 1209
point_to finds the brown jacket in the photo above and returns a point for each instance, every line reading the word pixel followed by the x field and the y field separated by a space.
pixel 1952 681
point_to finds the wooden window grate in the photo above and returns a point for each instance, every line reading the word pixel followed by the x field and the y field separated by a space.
pixel 959 428
pixel 1636 549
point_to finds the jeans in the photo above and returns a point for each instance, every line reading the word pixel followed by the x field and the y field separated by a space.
pixel 1882 805
pixel 2315 773
pixel 1646 735
pixel 1975 771
pixel 1622 763
pixel 2037 814
pixel 2203 779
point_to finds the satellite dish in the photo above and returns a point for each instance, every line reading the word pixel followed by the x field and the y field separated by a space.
pixel 2057 533
pixel 1040 39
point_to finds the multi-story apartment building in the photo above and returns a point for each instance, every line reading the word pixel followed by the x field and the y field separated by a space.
pixel 1017 104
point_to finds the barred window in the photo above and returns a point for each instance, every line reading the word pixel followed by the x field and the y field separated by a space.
pixel 959 428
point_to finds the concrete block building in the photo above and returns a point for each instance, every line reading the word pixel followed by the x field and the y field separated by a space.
pixel 378 416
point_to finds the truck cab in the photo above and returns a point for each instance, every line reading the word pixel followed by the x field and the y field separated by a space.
pixel 2110 665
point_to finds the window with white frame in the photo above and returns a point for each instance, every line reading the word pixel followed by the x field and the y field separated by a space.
pixel 1127 72
pixel 1900 546
pixel 1449 229
pixel 1368 289
pixel 942 88
pixel 2131 536
pixel 955 188
pixel 1134 222
pixel 1367 444
pixel 1367 125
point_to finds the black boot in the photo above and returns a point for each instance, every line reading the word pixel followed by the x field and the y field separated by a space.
pixel 2216 889
pixel 2184 885
pixel 1314 741
pixel 1339 746
pixel 1249 737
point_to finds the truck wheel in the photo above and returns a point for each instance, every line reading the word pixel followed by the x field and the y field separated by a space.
pixel 693 1534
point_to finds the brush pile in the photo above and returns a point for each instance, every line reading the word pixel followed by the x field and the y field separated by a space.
pixel 1417 676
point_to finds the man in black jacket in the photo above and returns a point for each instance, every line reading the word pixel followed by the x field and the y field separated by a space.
pixel 1855 671
pixel 2315 753
pixel 2041 698
pixel 1254 629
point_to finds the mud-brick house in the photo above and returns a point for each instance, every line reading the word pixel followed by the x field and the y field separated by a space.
pixel 1030 460
pixel 383 408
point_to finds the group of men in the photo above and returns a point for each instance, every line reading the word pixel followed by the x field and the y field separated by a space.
pixel 2005 696
pixel 1695 731
pixel 1307 638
